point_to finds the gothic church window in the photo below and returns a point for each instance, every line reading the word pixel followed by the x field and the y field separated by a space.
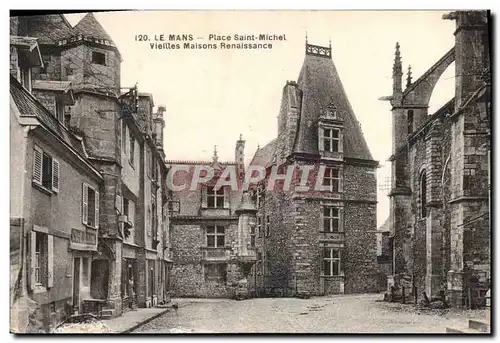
pixel 423 195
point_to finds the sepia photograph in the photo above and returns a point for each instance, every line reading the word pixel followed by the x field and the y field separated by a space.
pixel 187 172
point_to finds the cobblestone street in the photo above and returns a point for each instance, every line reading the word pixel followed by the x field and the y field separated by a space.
pixel 334 314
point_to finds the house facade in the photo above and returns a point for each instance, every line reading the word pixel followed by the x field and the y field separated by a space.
pixel 439 219
pixel 76 81
pixel 211 229
pixel 316 237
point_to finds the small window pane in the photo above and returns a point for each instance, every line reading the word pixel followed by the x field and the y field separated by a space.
pixel 220 241
pixel 326 211
pixel 335 145
pixel 211 229
pixel 326 224
pixel 211 241
pixel 326 267
pixel 327 145
pixel 335 212
pixel 336 268
pixel 335 133
pixel 210 201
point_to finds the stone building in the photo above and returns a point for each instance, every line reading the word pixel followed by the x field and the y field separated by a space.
pixel 212 246
pixel 439 215
pixel 314 241
pixel 79 84
pixel 54 203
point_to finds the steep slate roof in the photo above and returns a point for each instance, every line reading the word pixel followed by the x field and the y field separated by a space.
pixel 48 28
pixel 321 85
pixel 29 106
pixel 264 156
pixel 90 27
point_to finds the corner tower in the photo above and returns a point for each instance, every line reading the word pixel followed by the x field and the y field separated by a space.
pixel 90 58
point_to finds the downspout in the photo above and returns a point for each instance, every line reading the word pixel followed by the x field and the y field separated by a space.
pixel 23 245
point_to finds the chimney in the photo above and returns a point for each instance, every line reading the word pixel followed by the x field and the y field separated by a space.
pixel 158 126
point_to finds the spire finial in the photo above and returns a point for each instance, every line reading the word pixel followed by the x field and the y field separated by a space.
pixel 408 79
pixel 306 36
pixel 215 157
pixel 258 146
pixel 397 68
pixel 241 137
pixel 330 42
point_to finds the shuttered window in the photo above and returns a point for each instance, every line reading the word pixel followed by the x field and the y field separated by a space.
pixel 42 257
pixel 46 170
pixel 90 206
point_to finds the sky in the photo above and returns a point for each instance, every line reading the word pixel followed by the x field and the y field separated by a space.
pixel 213 96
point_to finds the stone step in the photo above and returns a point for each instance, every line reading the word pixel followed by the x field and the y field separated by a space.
pixel 479 325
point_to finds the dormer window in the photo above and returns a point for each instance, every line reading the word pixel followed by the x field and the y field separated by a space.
pixel 331 139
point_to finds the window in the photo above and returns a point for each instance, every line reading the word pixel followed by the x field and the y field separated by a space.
pixel 216 236
pixel 132 150
pixel 331 262
pixel 331 140
pixel 154 223
pixel 252 236
pixel 268 226
pixel 259 226
pixel 98 58
pixel 423 195
pixel 90 206
pixel 215 272
pixel 215 198
pixel 60 111
pixel 259 197
pixel 45 170
pixel 25 77
pixel 331 178
pixel 410 121
pixel 331 219
pixel 40 258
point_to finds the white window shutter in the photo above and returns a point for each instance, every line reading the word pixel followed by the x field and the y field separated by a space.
pixel 341 219
pixel 50 262
pixel 55 175
pixel 37 165
pixel 85 203
pixel 226 196
pixel 32 236
pixel 203 196
pixel 96 209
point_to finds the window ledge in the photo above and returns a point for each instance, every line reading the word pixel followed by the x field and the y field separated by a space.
pixel 43 189
pixel 39 289
pixel 332 232
pixel 332 276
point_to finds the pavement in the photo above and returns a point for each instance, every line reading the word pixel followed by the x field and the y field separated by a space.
pixel 131 320
pixel 364 313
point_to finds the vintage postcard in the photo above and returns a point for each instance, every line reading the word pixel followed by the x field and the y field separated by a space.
pixel 250 172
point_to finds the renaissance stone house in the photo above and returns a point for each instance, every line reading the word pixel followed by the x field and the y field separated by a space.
pixel 439 215
pixel 317 242
pixel 118 135
pixel 211 229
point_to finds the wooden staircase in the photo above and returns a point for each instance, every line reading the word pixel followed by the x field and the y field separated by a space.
pixel 474 326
